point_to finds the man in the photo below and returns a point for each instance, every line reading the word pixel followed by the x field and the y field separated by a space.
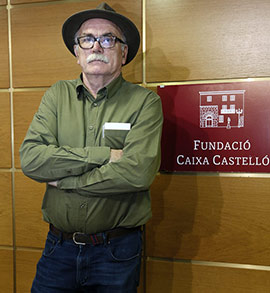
pixel 95 141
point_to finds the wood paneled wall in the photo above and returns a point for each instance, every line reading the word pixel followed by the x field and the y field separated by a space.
pixel 209 232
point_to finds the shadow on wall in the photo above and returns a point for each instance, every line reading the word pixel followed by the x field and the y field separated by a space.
pixel 152 68
pixel 186 212
pixel 156 59
pixel 132 71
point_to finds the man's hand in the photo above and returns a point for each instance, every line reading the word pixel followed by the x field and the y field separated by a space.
pixel 116 155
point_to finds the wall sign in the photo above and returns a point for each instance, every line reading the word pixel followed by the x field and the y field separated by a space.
pixel 216 127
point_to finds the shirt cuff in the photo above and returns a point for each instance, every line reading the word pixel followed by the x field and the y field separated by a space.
pixel 99 155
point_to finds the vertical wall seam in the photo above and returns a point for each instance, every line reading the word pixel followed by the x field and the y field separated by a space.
pixel 144 42
pixel 9 7
pixel 143 3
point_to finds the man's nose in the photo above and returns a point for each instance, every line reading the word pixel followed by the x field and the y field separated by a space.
pixel 97 47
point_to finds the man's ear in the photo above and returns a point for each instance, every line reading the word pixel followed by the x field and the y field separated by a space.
pixel 75 48
pixel 124 55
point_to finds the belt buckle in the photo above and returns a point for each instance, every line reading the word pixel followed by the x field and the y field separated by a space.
pixel 74 238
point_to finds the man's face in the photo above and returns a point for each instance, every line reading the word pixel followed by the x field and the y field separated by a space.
pixel 115 56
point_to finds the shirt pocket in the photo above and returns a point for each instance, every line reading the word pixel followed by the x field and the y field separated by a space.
pixel 115 139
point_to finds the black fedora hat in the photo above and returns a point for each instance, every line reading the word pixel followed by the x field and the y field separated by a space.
pixel 128 28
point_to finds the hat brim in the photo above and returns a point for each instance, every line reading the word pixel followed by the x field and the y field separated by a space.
pixel 128 28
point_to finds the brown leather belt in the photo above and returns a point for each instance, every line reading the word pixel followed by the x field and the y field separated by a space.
pixel 94 239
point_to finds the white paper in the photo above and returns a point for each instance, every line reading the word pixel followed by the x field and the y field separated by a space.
pixel 115 126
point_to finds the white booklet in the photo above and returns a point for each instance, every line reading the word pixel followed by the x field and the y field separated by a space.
pixel 115 126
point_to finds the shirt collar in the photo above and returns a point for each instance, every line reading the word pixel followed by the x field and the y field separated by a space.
pixel 108 90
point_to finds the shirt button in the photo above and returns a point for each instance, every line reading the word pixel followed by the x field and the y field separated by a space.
pixel 91 127
pixel 83 205
pixel 95 104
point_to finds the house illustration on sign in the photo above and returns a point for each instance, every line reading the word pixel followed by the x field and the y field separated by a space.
pixel 222 109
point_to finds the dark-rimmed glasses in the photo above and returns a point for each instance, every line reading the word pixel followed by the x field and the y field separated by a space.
pixel 105 42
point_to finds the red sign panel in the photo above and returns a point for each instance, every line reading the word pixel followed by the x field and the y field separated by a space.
pixel 216 127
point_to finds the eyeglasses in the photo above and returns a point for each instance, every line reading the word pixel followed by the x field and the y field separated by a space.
pixel 105 42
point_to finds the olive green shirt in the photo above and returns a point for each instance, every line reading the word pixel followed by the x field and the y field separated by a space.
pixel 67 142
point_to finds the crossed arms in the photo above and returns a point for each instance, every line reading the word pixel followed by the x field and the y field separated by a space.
pixel 93 170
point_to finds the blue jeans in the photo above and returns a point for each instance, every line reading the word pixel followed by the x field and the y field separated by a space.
pixel 110 267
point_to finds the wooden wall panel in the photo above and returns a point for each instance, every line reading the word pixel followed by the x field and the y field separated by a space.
pixel 5 210
pixel 6 270
pixel 26 261
pixel 210 218
pixel 208 39
pixel 4 59
pixel 25 106
pixel 31 230
pixel 13 2
pixel 5 142
pixel 142 281
pixel 175 277
pixel 39 55
pixel 3 2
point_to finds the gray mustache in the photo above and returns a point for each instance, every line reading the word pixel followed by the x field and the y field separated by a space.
pixel 97 57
